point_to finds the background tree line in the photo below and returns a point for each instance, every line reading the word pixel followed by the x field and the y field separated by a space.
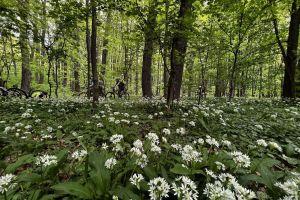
pixel 158 47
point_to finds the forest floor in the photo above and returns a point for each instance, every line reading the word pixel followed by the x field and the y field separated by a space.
pixel 58 148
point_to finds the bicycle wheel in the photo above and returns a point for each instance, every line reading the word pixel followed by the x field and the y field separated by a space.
pixel 38 94
pixel 16 92
pixel 3 92
pixel 110 95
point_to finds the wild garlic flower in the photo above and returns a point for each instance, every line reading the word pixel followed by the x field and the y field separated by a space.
pixel 46 160
pixel 104 146
pixel 212 141
pixel 136 151
pixel 6 182
pixel 142 161
pixel 243 193
pixel 220 166
pixel 153 138
pixel 291 187
pixel 138 144
pixel 49 129
pixel 216 191
pixel 110 163
pixel 274 145
pixel 259 126
pixel 181 131
pixel 166 131
pixel 79 154
pixel 159 188
pixel 116 138
pixel 177 147
pixel 185 188
pixel 240 159
pixel 262 143
pixel 188 154
pixel 226 143
pixel 99 125
pixel 192 123
pixel 135 179
pixel 155 148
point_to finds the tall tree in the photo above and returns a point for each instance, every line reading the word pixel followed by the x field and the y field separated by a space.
pixel 179 46
pixel 290 54
pixel 88 45
pixel 94 53
pixel 149 34
pixel 24 44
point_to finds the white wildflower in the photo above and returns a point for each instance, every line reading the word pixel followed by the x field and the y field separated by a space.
pixel 159 188
pixel 135 179
pixel 110 163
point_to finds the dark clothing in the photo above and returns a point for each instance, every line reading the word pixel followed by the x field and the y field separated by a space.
pixel 121 88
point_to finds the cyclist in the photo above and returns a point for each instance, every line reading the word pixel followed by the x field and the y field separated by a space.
pixel 121 87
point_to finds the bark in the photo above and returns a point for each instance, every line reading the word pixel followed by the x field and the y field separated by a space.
pixel 179 46
pixel 24 45
pixel 149 34
pixel 137 71
pixel 13 56
pixel 105 44
pixel 94 53
pixel 65 74
pixel 88 46
pixel 290 55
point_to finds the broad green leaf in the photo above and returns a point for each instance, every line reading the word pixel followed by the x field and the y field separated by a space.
pixel 74 189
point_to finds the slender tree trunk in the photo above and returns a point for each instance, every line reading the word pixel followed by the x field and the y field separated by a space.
pixel 94 53
pixel 179 46
pixel 12 52
pixel 24 45
pixel 137 71
pixel 105 45
pixel 88 45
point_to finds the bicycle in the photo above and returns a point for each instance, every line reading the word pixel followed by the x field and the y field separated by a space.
pixel 112 94
pixel 16 92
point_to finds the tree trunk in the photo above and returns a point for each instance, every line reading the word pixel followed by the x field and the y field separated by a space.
pixel 94 53
pixel 179 46
pixel 88 46
pixel 105 45
pixel 290 55
pixel 149 34
pixel 24 45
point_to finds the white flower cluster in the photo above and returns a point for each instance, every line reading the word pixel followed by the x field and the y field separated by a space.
pixel 226 187
pixel 189 154
pixel 153 138
pixel 46 160
pixel 262 143
pixel 116 140
pixel 135 179
pixel 291 187
pixel 6 182
pixel 110 163
pixel 181 131
pixel 212 141
pixel 240 159
pixel 274 145
pixel 79 154
pixel 186 189
pixel 158 188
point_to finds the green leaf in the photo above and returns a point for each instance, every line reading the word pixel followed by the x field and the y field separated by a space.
pixel 11 168
pixel 74 189
pixel 179 169
pixel 125 193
